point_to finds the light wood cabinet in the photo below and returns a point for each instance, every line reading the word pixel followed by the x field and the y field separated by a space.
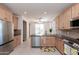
pixel 54 42
pixel 60 45
pixel 51 41
pixel 48 41
pixel 63 21
pixel 75 10
pixel 2 13
pixel 17 40
pixel 67 18
pixel 15 22
pixel 8 16
pixel 5 13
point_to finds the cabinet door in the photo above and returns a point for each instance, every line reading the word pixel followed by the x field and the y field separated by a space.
pixel 52 41
pixel 9 16
pixel 75 10
pixel 43 41
pixel 15 22
pixel 56 43
pixel 17 41
pixel 2 13
pixel 64 19
pixel 61 46
pixel 61 21
pixel 5 14
pixel 67 18
pixel 48 41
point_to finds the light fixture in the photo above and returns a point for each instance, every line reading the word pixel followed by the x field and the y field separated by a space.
pixel 45 12
pixel 25 12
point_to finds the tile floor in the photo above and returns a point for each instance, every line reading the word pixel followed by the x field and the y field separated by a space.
pixel 25 49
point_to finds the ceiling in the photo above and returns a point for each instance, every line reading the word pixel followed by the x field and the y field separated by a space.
pixel 38 10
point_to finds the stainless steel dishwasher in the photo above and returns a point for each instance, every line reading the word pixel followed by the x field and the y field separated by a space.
pixel 35 41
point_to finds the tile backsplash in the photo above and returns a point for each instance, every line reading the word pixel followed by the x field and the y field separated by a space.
pixel 70 33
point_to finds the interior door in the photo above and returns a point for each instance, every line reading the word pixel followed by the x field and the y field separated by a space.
pixel 24 30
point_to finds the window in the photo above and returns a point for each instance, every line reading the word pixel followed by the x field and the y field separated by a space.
pixel 39 29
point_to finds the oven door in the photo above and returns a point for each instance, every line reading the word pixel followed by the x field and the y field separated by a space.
pixel 74 51
pixel 67 49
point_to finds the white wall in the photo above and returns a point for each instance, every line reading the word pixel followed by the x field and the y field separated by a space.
pixel 20 26
pixel 32 28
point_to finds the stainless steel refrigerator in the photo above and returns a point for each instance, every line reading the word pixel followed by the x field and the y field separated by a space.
pixel 6 40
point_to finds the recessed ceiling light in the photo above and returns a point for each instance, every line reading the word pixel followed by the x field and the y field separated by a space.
pixel 45 12
pixel 25 12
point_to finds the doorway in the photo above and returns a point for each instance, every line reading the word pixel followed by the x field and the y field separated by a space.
pixel 24 30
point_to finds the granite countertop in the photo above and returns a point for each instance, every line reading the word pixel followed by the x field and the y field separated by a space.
pixel 59 36
pixel 67 38
pixel 62 37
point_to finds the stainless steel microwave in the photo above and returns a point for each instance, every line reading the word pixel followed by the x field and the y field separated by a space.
pixel 74 23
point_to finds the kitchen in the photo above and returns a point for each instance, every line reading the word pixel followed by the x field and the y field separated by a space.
pixel 57 31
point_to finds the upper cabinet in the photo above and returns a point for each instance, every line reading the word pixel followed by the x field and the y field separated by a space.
pixel 63 19
pixel 5 13
pixel 15 21
pixel 67 18
pixel 8 16
pixel 75 10
pixel 2 12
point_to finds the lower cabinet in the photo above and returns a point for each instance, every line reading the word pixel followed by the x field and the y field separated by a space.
pixel 48 41
pixel 53 41
pixel 17 40
pixel 60 45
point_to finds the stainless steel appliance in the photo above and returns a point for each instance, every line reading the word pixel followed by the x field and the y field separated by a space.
pixel 6 41
pixel 67 49
pixel 35 41
pixel 74 23
pixel 71 48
